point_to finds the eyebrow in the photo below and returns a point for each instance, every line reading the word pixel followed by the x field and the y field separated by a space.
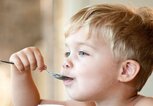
pixel 82 43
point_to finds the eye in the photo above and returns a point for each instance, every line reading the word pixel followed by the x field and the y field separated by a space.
pixel 82 53
pixel 67 54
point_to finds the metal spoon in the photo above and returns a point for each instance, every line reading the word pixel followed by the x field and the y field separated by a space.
pixel 57 76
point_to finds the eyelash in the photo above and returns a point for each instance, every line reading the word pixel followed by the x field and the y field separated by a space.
pixel 81 53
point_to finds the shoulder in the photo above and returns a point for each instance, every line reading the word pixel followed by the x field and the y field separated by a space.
pixel 145 101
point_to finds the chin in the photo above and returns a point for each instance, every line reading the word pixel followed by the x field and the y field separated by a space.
pixel 79 97
pixel 79 94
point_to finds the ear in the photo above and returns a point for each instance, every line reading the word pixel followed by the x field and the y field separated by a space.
pixel 128 70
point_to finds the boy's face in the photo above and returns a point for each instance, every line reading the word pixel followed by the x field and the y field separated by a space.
pixel 92 66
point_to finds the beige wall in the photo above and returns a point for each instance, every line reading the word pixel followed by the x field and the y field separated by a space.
pixel 127 2
pixel 20 27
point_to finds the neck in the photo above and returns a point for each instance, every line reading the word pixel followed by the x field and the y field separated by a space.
pixel 121 97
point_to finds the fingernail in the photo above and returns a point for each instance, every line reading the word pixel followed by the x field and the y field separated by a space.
pixel 45 67
pixel 42 68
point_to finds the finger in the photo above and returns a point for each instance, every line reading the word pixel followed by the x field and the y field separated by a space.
pixel 40 60
pixel 31 58
pixel 24 59
pixel 17 62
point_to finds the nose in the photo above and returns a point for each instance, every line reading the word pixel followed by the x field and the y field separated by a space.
pixel 67 64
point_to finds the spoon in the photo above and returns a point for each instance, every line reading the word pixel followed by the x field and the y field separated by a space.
pixel 57 76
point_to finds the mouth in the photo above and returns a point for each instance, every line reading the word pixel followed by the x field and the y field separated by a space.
pixel 68 80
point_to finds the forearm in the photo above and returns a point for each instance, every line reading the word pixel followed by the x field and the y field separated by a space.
pixel 24 91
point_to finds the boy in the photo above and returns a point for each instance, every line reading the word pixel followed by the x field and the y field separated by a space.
pixel 108 57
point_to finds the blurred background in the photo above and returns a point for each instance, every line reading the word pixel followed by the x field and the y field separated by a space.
pixel 41 23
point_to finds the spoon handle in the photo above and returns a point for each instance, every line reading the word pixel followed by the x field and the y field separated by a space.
pixel 7 62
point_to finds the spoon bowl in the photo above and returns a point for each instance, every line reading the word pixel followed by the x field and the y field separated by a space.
pixel 58 76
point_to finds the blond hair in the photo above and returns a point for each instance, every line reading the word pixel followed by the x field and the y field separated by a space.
pixel 128 31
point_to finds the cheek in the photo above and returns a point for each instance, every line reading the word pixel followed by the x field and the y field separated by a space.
pixel 91 76
pixel 94 72
pixel 96 75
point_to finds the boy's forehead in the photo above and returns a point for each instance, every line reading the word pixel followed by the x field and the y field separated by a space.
pixel 78 36
pixel 78 33
pixel 75 28
pixel 82 36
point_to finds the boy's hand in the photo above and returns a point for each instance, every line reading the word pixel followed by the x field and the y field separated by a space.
pixel 27 59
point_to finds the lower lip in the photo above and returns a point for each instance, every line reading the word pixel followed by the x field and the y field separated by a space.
pixel 68 82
